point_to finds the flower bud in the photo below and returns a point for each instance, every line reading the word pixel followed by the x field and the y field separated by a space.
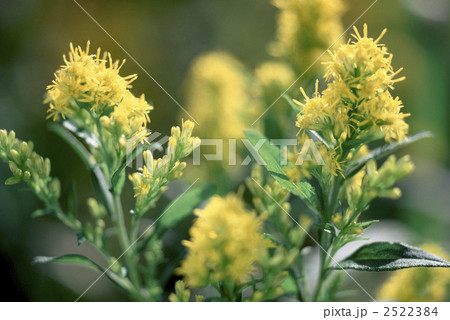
pixel 105 122
pixel 15 155
pixel 55 188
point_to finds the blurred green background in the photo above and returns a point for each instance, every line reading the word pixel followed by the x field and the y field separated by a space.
pixel 165 37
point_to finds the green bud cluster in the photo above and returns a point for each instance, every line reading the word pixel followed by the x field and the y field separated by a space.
pixel 151 180
pixel 26 165
pixel 371 182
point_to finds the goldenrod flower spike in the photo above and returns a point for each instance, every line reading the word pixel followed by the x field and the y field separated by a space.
pixel 305 29
pixel 226 241
pixel 357 101
pixel 151 180
pixel 88 89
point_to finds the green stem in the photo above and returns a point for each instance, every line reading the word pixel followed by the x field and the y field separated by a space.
pixel 297 287
pixel 325 244
pixel 125 242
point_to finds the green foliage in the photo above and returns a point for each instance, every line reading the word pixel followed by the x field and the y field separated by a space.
pixel 183 206
pixel 388 256
pixel 271 156
pixel 83 261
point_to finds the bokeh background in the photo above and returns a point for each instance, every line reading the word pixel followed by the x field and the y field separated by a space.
pixel 165 37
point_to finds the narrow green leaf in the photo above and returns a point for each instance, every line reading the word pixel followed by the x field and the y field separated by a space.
pixel 102 190
pixel 100 184
pixel 183 206
pixel 271 155
pixel 74 143
pixel 271 238
pixel 332 286
pixel 72 200
pixel 384 151
pixel 289 285
pixel 293 105
pixel 40 212
pixel 388 256
pixel 327 227
pixel 356 143
pixel 81 260
pixel 367 224
pixel 86 136
pixel 317 137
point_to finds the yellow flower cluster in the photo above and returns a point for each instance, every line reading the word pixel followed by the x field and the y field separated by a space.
pixel 305 29
pixel 218 96
pixel 226 242
pixel 271 79
pixel 274 76
pixel 357 101
pixel 418 284
pixel 150 182
pixel 26 165
pixel 89 87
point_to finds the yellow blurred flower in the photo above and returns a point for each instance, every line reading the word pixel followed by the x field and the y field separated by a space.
pixel 226 242
pixel 272 79
pixel 218 96
pixel 273 75
pixel 305 29
pixel 418 284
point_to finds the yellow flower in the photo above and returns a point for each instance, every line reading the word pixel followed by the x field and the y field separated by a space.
pixel 89 88
pixel 218 96
pixel 274 76
pixel 418 284
pixel 305 29
pixel 87 80
pixel 226 242
pixel 357 101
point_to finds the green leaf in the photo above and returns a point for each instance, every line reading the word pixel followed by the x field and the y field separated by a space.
pixel 332 286
pixel 83 134
pixel 317 137
pixel 293 105
pixel 102 190
pixel 81 260
pixel 356 143
pixel 327 227
pixel 388 256
pixel 183 206
pixel 384 151
pixel 100 184
pixel 289 285
pixel 74 143
pixel 271 238
pixel 271 155
pixel 367 224
pixel 40 212
pixel 72 200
